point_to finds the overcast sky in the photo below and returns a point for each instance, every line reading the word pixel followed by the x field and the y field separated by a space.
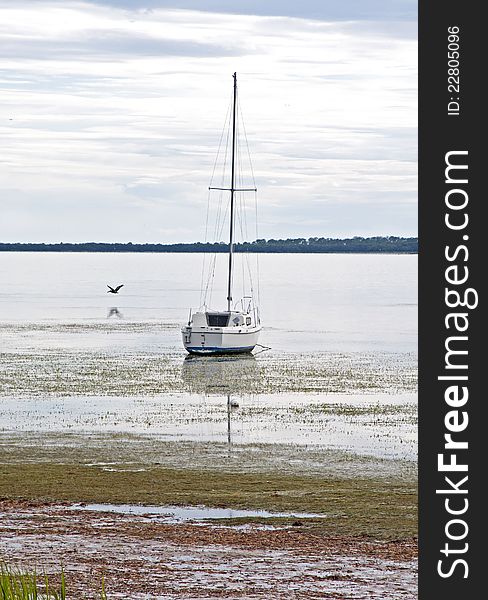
pixel 111 114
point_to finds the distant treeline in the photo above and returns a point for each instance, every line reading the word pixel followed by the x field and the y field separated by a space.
pixel 320 245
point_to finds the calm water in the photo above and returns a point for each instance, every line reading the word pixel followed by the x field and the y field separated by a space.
pixel 341 372
pixel 308 302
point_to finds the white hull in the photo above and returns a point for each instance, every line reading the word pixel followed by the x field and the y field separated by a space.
pixel 224 340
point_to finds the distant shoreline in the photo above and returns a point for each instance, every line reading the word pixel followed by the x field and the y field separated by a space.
pixel 356 245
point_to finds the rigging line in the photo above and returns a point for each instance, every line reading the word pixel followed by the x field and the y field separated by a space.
pixel 219 218
pixel 243 226
pixel 204 253
pixel 244 205
pixel 224 169
pixel 241 206
pixel 246 233
pixel 208 292
pixel 212 280
pixel 224 129
pixel 242 258
pixel 240 215
pixel 246 260
pixel 244 290
pixel 217 240
pixel 258 297
pixel 211 277
pixel 263 349
pixel 223 223
pixel 247 145
pixel 245 211
pixel 224 173
pixel 258 290
pixel 247 264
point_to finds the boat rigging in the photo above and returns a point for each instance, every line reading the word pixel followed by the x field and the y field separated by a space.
pixel 233 330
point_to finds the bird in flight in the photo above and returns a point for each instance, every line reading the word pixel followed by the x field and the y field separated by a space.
pixel 112 290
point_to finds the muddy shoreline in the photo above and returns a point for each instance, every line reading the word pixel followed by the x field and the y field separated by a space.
pixel 139 558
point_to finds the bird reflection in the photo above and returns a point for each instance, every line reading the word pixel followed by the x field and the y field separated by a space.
pixel 114 312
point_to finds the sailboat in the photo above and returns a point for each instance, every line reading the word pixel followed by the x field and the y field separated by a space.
pixel 236 329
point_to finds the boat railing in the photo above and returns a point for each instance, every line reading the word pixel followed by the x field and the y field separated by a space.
pixel 250 305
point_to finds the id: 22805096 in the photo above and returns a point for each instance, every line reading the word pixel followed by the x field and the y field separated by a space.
pixel 453 71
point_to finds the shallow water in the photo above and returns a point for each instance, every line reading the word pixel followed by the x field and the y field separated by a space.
pixel 341 372
pixel 379 425
pixel 309 302
pixel 135 453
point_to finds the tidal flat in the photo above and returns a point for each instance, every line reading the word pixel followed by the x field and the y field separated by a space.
pixel 142 429
pixel 102 410
pixel 63 359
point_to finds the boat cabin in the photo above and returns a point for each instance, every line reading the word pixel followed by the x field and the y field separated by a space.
pixel 221 319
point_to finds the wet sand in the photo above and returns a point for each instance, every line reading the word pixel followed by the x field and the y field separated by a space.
pixel 141 559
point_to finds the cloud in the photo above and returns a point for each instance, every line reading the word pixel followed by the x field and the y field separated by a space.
pixel 106 44
pixel 115 113
pixel 327 10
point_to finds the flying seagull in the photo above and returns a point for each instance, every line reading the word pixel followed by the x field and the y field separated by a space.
pixel 112 290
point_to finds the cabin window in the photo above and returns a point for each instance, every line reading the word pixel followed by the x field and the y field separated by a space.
pixel 248 320
pixel 217 320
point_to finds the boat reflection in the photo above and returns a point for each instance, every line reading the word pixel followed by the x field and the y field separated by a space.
pixel 230 376
pixel 238 375
pixel 231 405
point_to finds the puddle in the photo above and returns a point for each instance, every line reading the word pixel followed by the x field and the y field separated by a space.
pixel 177 514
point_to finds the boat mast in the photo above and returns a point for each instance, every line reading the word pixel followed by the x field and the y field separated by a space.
pixel 232 190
